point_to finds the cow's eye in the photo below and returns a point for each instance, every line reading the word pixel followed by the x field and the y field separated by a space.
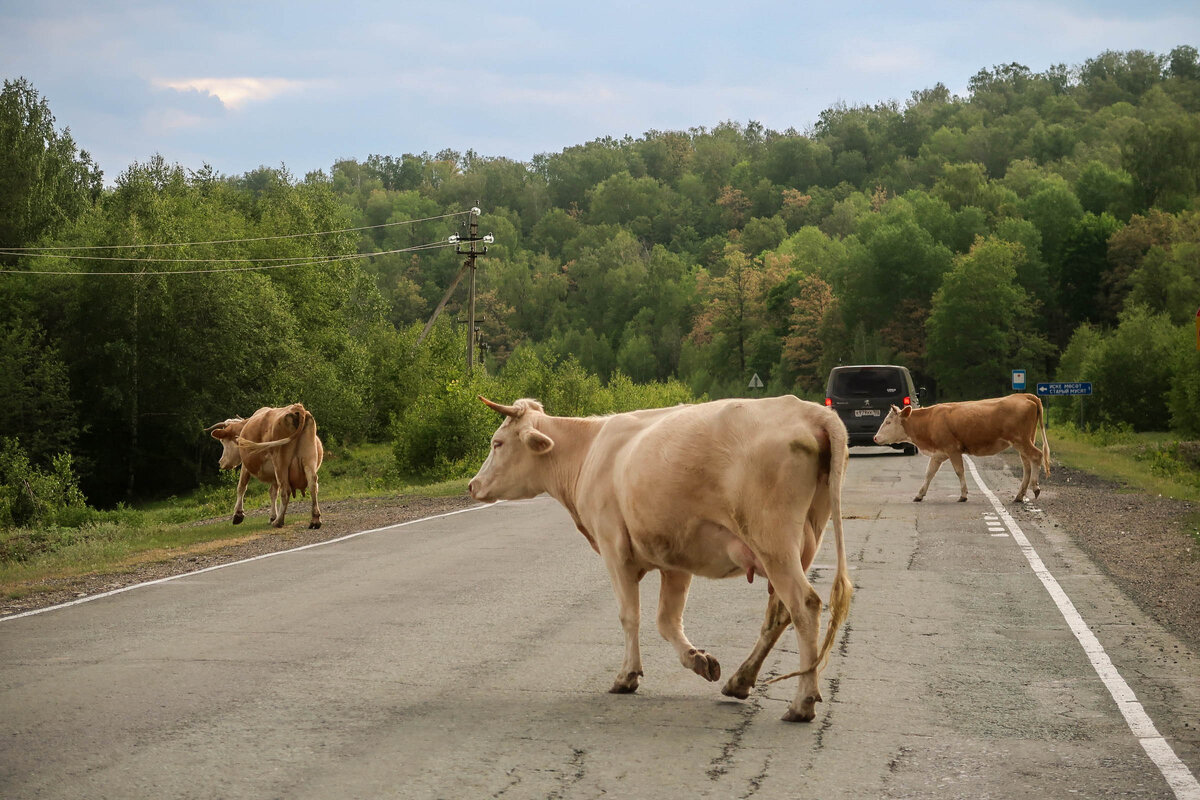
pixel 496 445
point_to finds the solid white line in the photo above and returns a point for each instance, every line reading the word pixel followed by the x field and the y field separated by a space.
pixel 92 597
pixel 1181 780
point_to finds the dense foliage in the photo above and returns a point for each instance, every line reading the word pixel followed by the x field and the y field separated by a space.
pixel 1046 221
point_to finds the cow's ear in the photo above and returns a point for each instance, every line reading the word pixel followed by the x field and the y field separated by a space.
pixel 537 441
pixel 907 412
pixel 223 433
pixel 895 408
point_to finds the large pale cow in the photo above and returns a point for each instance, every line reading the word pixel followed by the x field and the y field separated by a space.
pixel 278 446
pixel 720 489
pixel 977 428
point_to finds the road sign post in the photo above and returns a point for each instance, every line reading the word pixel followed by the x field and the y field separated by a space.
pixel 1067 389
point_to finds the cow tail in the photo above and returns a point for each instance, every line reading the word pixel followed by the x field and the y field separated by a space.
pixel 254 447
pixel 843 589
pixel 1045 440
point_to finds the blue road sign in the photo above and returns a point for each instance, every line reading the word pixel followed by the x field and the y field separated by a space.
pixel 1018 382
pixel 1064 388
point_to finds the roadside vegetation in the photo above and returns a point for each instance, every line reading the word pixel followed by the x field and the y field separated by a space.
pixel 1044 221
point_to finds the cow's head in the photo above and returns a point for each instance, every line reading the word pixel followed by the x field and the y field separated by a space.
pixel 513 469
pixel 227 433
pixel 892 429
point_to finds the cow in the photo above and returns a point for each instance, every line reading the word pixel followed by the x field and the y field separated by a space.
pixel 278 446
pixel 719 489
pixel 977 428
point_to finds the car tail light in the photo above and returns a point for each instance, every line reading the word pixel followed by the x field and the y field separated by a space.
pixel 907 400
pixel 828 402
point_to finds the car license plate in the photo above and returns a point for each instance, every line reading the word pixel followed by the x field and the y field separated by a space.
pixel 866 412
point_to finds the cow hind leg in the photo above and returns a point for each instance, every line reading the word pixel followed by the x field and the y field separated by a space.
pixel 774 624
pixel 803 604
pixel 1027 472
pixel 311 474
pixel 274 501
pixel 285 489
pixel 956 461
pixel 672 598
pixel 243 482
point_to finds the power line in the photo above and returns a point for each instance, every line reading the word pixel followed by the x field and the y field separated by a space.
pixel 315 262
pixel 35 250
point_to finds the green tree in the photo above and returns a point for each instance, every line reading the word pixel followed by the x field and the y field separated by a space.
pixel 45 181
pixel 982 323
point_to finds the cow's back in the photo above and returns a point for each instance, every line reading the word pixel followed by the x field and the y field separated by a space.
pixel 713 460
pixel 271 424
pixel 976 426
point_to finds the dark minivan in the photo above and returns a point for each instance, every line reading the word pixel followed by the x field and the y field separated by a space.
pixel 862 395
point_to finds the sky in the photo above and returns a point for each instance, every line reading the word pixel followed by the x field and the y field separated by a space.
pixel 246 84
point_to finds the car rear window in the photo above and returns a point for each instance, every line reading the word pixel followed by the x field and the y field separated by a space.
pixel 867 383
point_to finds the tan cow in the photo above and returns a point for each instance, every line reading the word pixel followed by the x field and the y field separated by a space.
pixel 732 487
pixel 280 447
pixel 977 428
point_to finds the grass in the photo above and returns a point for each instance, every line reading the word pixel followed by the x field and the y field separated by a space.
pixel 1154 463
pixel 110 541
pixel 125 537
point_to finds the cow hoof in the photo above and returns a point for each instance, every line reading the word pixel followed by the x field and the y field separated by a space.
pixel 704 665
pixel 627 684
pixel 918 499
pixel 277 524
pixel 806 713
pixel 237 518
pixel 962 499
pixel 731 689
pixel 1036 492
pixel 312 526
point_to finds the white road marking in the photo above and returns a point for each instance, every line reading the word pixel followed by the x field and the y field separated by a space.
pixel 1180 779
pixel 131 587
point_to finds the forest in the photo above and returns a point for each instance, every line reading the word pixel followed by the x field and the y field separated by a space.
pixel 1041 221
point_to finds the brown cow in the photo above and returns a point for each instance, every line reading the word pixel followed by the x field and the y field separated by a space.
pixel 977 428
pixel 280 447
pixel 732 487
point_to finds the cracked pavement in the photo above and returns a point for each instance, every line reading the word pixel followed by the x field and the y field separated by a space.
pixel 469 656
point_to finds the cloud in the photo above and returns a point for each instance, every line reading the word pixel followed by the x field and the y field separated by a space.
pixel 233 93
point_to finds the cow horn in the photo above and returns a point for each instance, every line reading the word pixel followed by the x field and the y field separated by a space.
pixel 214 426
pixel 508 411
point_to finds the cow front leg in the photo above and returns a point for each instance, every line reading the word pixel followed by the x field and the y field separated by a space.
pixel 625 578
pixel 774 624
pixel 956 461
pixel 243 482
pixel 935 463
pixel 672 598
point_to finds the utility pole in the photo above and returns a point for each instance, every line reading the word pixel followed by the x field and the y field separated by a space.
pixel 471 239
pixel 468 265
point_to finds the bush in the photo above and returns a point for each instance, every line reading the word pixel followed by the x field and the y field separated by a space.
pixel 1184 398
pixel 33 497
pixel 1132 369
pixel 445 433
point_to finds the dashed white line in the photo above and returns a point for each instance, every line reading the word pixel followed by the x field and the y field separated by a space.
pixel 1178 776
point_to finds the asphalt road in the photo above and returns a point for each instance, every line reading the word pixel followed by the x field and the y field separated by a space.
pixel 469 656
